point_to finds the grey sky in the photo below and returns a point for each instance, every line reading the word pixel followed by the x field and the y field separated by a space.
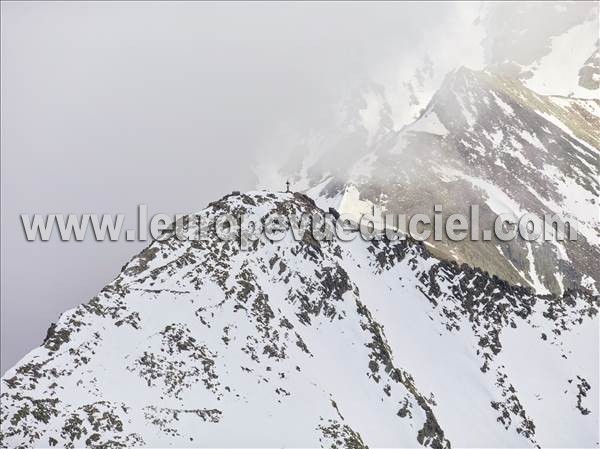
pixel 111 104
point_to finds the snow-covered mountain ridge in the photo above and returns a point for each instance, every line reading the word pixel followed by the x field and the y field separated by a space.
pixel 308 344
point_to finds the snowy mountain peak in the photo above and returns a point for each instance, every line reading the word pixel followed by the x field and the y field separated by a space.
pixel 312 343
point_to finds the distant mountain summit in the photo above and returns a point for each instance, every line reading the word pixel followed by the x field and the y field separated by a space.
pixel 488 140
pixel 520 136
pixel 308 343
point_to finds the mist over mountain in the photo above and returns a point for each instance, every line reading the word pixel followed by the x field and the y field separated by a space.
pixel 309 343
pixel 484 137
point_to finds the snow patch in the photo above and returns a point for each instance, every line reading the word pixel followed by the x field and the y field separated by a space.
pixel 429 123
pixel 557 73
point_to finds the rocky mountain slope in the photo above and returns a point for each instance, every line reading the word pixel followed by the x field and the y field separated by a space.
pixel 306 344
pixel 484 139
pixel 520 136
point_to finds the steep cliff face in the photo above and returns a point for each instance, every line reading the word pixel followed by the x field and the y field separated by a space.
pixel 308 343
